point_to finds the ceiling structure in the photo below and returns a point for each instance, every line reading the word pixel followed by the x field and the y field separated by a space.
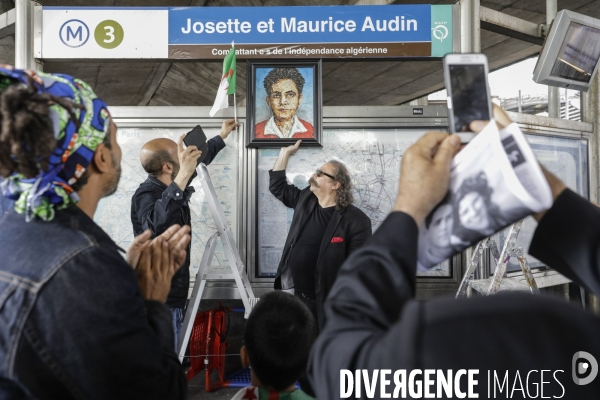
pixel 345 83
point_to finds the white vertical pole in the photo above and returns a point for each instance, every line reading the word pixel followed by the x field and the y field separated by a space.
pixel 470 26
pixel 553 92
pixel 24 35
pixel 567 114
pixel 234 107
pixel 234 99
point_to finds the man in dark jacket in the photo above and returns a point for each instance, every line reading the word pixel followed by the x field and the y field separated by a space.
pixel 325 229
pixel 505 346
pixel 162 200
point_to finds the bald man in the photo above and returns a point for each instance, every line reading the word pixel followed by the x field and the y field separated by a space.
pixel 162 200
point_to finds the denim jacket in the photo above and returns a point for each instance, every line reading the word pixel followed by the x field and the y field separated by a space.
pixel 73 322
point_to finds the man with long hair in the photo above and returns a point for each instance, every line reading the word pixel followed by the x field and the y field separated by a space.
pixel 325 229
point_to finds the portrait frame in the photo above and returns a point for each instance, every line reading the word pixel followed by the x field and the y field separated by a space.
pixel 308 115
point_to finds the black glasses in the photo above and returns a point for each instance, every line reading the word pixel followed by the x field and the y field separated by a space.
pixel 320 173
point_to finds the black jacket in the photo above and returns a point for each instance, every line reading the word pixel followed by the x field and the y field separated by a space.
pixel 374 322
pixel 156 206
pixel 350 224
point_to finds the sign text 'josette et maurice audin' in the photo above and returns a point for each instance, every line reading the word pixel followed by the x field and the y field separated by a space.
pixel 197 33
pixel 320 32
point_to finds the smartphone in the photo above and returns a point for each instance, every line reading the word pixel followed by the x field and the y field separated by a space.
pixel 196 137
pixel 465 76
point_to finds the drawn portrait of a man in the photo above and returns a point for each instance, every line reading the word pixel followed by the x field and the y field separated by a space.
pixel 289 108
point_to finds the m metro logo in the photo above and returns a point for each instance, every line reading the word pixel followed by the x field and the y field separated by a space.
pixel 74 33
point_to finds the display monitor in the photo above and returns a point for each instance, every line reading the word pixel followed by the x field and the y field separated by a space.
pixel 570 53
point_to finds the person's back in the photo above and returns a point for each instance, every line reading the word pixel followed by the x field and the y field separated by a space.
pixel 277 340
pixel 58 279
pixel 511 345
pixel 77 320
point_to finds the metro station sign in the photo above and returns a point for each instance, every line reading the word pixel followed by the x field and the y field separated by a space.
pixel 394 31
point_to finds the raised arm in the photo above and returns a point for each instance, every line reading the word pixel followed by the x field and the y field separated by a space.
pixel 217 143
pixel 284 156
pixel 567 237
pixel 278 186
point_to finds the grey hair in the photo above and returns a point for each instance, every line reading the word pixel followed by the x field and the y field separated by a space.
pixel 343 196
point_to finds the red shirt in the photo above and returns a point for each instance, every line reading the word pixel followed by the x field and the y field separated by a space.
pixel 259 131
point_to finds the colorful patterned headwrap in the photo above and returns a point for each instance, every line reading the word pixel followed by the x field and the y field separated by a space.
pixel 51 190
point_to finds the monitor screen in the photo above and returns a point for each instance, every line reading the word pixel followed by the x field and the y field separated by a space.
pixel 579 53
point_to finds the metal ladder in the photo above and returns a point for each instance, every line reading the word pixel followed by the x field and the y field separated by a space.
pixel 501 259
pixel 236 265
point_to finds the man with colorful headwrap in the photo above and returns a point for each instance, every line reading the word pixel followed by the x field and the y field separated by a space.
pixel 77 319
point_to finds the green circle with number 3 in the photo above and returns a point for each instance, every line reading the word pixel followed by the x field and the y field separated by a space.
pixel 109 34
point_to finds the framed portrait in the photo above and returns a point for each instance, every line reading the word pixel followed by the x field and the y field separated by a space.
pixel 283 103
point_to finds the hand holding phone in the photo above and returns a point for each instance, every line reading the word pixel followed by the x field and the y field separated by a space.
pixel 186 167
pixel 465 76
pixel 197 137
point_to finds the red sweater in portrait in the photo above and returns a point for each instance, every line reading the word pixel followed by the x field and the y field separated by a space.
pixel 259 131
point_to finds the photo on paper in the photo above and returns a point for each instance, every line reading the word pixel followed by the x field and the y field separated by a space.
pixel 495 181
pixel 472 210
pixel 566 158
pixel 284 103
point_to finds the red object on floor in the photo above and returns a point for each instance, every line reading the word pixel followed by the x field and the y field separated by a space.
pixel 207 346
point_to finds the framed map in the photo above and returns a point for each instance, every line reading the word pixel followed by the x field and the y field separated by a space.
pixel 373 158
pixel 567 158
pixel 113 213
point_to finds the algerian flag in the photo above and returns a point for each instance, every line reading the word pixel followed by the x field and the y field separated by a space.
pixel 227 85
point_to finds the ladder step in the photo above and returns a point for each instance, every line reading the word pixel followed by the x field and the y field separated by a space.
pixel 252 302
pixel 209 277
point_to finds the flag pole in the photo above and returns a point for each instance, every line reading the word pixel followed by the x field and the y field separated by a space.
pixel 234 99
pixel 234 108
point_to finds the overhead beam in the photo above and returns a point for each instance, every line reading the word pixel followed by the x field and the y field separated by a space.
pixel 159 75
pixel 507 25
pixel 162 69
pixel 494 65
pixel 7 23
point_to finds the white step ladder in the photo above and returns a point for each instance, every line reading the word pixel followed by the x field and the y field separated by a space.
pixel 494 283
pixel 233 257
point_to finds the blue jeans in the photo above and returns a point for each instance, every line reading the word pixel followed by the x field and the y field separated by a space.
pixel 177 322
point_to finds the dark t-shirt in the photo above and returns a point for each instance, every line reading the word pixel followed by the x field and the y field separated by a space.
pixel 304 255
